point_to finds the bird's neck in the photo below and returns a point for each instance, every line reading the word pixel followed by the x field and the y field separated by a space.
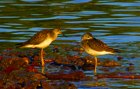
pixel 54 36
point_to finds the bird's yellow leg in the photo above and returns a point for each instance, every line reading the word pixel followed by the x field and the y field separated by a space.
pixel 43 67
pixel 95 65
pixel 42 60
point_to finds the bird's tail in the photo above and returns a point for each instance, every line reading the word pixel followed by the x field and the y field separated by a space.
pixel 18 45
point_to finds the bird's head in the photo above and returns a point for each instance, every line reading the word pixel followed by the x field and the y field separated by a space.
pixel 86 36
pixel 57 30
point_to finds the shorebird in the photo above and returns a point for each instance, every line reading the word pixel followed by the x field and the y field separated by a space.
pixel 95 47
pixel 41 40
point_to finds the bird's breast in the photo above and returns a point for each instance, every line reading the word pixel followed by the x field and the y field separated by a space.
pixel 45 43
pixel 97 53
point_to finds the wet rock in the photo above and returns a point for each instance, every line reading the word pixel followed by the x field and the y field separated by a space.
pixel 131 64
pixel 16 86
pixel 109 63
pixel 3 78
pixel 119 58
pixel 90 60
pixel 66 85
pixel 46 85
pixel 129 68
pixel 133 57
pixel 88 67
pixel 120 75
pixel 55 50
pixel 8 49
pixel 21 75
pixel 78 49
pixel 87 78
pixel 31 69
pixel 26 59
pixel 9 69
pixel 1 57
pixel 79 53
pixel 28 85
pixel 40 76
pixel 12 54
pixel 49 60
pixel 35 64
pixel 71 75
pixel 35 58
pixel 13 61
pixel 21 54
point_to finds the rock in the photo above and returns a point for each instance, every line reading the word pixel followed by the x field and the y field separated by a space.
pixel 21 75
pixel 21 54
pixel 46 85
pixel 55 50
pixel 71 75
pixel 13 61
pixel 66 85
pixel 1 57
pixel 120 75
pixel 108 63
pixel 35 58
pixel 9 69
pixel 89 60
pixel 78 49
pixel 31 69
pixel 119 58
pixel 16 86
pixel 88 67
pixel 40 76
pixel 26 59
pixel 28 85
pixel 35 64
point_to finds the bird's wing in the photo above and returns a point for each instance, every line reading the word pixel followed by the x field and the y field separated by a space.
pixel 98 45
pixel 38 37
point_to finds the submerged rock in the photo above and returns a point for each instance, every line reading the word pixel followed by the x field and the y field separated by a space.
pixel 46 85
pixel 66 85
pixel 8 61
pixel 109 63
pixel 71 75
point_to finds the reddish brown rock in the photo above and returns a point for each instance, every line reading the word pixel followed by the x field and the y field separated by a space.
pixel 133 57
pixel 9 69
pixel 1 57
pixel 119 58
pixel 72 75
pixel 40 76
pixel 78 49
pixel 35 64
pixel 66 85
pixel 13 61
pixel 16 86
pixel 28 85
pixel 120 75
pixel 46 85
pixel 31 69
pixel 131 64
pixel 108 63
pixel 26 59
pixel 35 58
pixel 88 67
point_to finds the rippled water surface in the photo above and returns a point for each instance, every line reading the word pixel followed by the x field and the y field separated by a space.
pixel 115 22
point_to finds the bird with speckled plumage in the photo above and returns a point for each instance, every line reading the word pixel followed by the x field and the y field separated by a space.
pixel 95 47
pixel 41 40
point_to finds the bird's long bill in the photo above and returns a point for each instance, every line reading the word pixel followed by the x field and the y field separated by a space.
pixel 64 35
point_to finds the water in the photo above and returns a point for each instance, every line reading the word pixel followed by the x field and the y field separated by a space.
pixel 115 22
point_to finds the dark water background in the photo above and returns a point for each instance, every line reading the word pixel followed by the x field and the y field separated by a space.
pixel 115 22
